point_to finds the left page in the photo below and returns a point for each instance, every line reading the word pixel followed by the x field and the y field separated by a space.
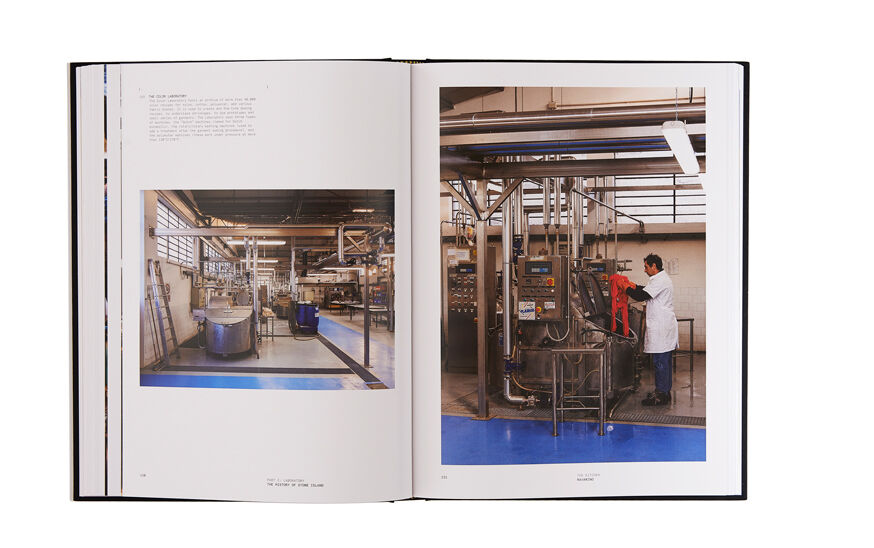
pixel 263 269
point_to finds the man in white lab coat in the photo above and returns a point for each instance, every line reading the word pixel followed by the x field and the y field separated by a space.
pixel 661 336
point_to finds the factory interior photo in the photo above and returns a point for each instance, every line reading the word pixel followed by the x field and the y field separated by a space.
pixel 573 253
pixel 268 289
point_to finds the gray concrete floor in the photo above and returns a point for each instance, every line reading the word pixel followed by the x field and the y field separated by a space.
pixel 688 397
pixel 278 352
pixel 284 351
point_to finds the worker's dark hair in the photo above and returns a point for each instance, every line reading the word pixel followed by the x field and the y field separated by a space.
pixel 652 258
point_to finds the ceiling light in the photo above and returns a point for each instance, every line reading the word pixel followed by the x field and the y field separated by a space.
pixel 262 260
pixel 681 146
pixel 362 210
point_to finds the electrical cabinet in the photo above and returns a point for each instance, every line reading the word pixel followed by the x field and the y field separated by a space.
pixel 464 311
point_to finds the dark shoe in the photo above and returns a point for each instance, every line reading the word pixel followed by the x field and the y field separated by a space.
pixel 657 398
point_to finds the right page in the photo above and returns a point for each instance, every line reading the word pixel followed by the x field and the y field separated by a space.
pixel 578 279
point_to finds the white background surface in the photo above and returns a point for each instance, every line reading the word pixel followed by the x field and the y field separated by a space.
pixel 808 462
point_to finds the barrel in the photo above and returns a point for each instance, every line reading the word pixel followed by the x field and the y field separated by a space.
pixel 308 318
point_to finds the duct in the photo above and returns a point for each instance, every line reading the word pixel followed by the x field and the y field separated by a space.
pixel 479 122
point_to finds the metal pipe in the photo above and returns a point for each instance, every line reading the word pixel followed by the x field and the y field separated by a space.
pixel 509 121
pixel 597 201
pixel 292 275
pixel 547 214
pixel 507 252
pixel 554 399
pixel 482 349
pixel 512 398
pixel 602 394
pixel 366 301
pixel 615 228
pixel 340 258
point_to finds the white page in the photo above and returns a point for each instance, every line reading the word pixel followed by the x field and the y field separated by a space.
pixel 90 288
pixel 317 125
pixel 720 473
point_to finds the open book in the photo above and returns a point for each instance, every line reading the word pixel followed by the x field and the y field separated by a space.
pixel 366 281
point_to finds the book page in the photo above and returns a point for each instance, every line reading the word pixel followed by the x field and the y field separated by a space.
pixel 244 377
pixel 540 192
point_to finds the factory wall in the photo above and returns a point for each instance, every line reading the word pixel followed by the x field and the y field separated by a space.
pixel 689 278
pixel 180 285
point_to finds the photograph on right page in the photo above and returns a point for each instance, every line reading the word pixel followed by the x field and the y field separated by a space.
pixel 573 231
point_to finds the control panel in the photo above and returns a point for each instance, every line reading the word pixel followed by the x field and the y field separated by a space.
pixel 378 296
pixel 542 287
pixel 464 312
pixel 602 269
pixel 462 287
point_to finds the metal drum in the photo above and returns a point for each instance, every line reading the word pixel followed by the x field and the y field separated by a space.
pixel 229 330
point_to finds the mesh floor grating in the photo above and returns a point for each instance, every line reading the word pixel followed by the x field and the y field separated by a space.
pixel 659 419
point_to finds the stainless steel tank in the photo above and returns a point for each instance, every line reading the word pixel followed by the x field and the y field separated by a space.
pixel 229 329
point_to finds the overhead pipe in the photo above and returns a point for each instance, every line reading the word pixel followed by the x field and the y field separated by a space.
pixel 518 121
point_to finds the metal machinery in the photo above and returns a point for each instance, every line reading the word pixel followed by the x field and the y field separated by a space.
pixel 462 309
pixel 229 330
pixel 556 339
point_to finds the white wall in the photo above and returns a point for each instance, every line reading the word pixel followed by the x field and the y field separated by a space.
pixel 180 286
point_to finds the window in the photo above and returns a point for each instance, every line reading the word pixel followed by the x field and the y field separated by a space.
pixel 210 267
pixel 177 249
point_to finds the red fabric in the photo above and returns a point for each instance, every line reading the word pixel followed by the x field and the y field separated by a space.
pixel 619 300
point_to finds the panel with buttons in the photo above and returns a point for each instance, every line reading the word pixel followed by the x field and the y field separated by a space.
pixel 542 288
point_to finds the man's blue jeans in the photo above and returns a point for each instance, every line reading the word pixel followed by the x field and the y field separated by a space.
pixel 662 366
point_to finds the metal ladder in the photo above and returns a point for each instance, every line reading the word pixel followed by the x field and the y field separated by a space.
pixel 161 305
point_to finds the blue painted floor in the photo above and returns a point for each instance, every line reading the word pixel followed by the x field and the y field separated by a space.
pixel 504 441
pixel 221 381
pixel 382 356
pixel 350 341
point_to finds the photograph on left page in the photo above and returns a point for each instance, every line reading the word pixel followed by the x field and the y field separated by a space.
pixel 268 289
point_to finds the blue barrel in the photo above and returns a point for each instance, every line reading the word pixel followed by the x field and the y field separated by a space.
pixel 308 318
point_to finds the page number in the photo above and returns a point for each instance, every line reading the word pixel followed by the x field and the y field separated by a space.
pixel 444 476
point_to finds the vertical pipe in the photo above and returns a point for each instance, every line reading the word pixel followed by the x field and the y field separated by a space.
pixel 256 300
pixel 391 294
pixel 554 398
pixel 340 258
pixel 481 311
pixel 602 396
pixel 366 304
pixel 615 228
pixel 292 288
pixel 547 217
pixel 507 266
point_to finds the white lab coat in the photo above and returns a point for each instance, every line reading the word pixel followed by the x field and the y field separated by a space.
pixel 662 334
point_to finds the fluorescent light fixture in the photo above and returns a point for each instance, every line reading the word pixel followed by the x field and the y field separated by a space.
pixel 681 146
pixel 262 260
pixel 260 242
pixel 362 210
